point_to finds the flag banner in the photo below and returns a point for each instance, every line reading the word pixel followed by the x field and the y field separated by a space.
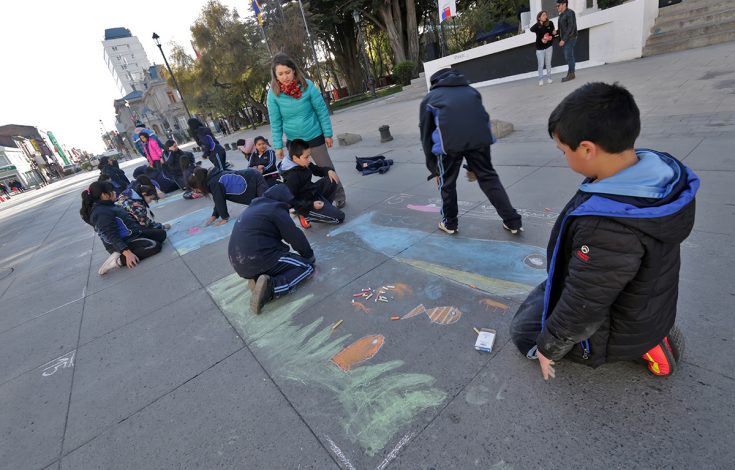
pixel 258 12
pixel 447 9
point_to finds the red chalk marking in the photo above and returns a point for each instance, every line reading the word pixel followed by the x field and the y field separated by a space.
pixel 194 230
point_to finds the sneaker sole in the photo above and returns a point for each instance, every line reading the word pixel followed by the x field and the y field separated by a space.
pixel 677 343
pixel 256 299
pixel 448 231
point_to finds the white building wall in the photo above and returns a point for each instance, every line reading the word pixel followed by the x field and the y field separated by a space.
pixel 127 61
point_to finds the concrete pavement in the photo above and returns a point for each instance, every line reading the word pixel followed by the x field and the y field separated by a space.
pixel 163 366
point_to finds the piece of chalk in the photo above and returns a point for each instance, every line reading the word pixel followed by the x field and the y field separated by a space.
pixel 358 295
pixel 383 300
pixel 337 324
pixel 368 297
pixel 390 287
pixel 473 286
pixel 395 318
pixel 367 289
pixel 476 330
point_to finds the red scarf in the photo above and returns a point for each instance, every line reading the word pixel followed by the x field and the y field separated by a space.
pixel 292 89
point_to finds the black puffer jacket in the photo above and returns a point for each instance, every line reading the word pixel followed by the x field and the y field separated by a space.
pixel 239 186
pixel 298 180
pixel 114 225
pixel 614 273
pixel 452 118
pixel 255 244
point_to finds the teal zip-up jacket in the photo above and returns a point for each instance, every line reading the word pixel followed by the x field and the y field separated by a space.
pixel 305 118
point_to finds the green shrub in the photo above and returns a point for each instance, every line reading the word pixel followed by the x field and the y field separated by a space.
pixel 403 72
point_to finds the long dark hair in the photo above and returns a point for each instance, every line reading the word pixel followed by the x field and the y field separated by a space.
pixel 298 75
pixel 194 124
pixel 198 181
pixel 538 17
pixel 92 195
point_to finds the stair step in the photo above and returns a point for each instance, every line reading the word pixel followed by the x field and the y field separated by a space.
pixel 662 26
pixel 682 44
pixel 693 8
pixel 690 33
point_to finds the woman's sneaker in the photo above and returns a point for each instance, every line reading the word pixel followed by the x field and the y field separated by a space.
pixel 663 358
pixel 450 231
pixel 112 262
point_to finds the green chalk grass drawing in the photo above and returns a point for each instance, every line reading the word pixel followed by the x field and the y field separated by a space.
pixel 374 399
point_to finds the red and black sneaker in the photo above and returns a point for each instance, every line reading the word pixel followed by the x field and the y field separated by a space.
pixel 663 358
pixel 304 222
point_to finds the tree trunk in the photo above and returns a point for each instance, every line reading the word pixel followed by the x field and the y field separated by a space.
pixel 342 43
pixel 393 27
pixel 412 31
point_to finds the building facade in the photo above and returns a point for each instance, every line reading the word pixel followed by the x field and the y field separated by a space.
pixel 125 58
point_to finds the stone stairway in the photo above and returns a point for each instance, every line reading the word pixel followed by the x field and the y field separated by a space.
pixel 416 90
pixel 691 24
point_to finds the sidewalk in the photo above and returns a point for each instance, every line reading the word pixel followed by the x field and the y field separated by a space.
pixel 164 366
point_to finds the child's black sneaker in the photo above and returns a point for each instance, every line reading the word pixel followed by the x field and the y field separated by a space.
pixel 261 294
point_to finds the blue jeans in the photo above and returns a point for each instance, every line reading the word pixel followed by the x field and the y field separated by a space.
pixel 569 53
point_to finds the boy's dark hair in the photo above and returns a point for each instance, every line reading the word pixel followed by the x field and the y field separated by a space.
pixel 104 178
pixel 600 113
pixel 297 146
pixel 169 143
pixel 259 138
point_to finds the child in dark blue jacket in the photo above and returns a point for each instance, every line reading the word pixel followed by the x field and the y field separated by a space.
pixel 211 148
pixel 257 251
pixel 125 239
pixel 454 125
pixel 240 186
pixel 264 160
pixel 613 255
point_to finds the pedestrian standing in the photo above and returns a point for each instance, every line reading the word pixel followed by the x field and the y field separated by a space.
pixel 544 30
pixel 568 35
pixel 297 109
pixel 153 152
pixel 211 148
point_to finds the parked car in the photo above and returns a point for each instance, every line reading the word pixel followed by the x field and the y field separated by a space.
pixel 71 168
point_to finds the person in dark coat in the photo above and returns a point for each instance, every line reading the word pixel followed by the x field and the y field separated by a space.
pixel 257 250
pixel 454 126
pixel 263 159
pixel 567 36
pixel 117 176
pixel 240 186
pixel 211 148
pixel 613 255
pixel 174 166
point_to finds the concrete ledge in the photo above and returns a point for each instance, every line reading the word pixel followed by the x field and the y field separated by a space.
pixel 348 139
pixel 501 128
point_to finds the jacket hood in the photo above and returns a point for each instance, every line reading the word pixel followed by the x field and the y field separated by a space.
pixel 286 164
pixel 279 192
pixel 447 78
pixel 665 205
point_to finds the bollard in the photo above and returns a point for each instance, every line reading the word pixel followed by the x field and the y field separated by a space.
pixel 385 133
pixel 227 146
pixel 196 149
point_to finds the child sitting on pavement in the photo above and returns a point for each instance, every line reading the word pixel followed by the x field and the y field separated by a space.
pixel 613 254
pixel 240 186
pixel 264 160
pixel 137 201
pixel 312 201
pixel 257 251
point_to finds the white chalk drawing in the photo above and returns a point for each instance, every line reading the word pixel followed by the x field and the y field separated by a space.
pixel 61 362
pixel 394 453
pixel 340 455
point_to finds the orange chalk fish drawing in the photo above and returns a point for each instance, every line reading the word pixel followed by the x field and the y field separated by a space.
pixel 358 352
pixel 402 289
pixel 438 315
pixel 360 306
pixel 490 303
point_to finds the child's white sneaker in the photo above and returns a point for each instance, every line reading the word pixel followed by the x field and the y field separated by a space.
pixel 540 83
pixel 444 229
pixel 514 231
pixel 112 262
pixel 549 80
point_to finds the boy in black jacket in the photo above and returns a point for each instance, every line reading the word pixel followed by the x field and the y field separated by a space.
pixel 312 201
pixel 176 166
pixel 454 125
pixel 257 251
pixel 613 255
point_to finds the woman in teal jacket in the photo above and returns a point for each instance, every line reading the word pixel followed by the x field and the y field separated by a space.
pixel 297 109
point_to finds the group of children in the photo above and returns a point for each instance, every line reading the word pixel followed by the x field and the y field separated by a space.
pixel 613 255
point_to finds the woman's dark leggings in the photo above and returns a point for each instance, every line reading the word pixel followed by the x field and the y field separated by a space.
pixel 147 244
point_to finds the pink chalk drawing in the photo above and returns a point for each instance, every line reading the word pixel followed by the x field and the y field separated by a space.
pixel 427 208
pixel 194 230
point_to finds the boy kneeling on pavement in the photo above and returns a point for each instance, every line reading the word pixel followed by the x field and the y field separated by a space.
pixel 257 251
pixel 613 255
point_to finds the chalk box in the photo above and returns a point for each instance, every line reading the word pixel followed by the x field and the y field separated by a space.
pixel 485 340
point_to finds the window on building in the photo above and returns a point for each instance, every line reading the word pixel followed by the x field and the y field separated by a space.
pixel 4 160
pixel 114 48
pixel 171 96
pixel 124 67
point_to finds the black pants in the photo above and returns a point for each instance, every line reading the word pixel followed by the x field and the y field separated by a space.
pixel 478 161
pixel 147 244
pixel 218 157
pixel 327 214
pixel 526 324
pixel 290 271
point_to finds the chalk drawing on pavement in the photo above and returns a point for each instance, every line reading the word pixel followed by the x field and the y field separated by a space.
pixel 61 362
pixel 438 315
pixel 358 352
pixel 188 233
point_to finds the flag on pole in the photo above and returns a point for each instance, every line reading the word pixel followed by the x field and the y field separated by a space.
pixel 447 9
pixel 258 12
pixel 196 52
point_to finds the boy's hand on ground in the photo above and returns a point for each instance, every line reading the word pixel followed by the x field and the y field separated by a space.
pixel 166 226
pixel 209 221
pixel 333 176
pixel 546 366
pixel 318 205
pixel 329 142
pixel 221 222
pixel 279 153
pixel 130 259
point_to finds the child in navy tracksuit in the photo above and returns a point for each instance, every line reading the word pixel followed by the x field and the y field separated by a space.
pixel 211 148
pixel 240 186
pixel 454 125
pixel 125 239
pixel 264 160
pixel 312 201
pixel 257 251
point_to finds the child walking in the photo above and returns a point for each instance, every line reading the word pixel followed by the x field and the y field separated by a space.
pixel 124 238
pixel 312 201
pixel 613 254
pixel 257 251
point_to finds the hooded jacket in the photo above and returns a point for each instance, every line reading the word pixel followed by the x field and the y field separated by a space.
pixel 298 180
pixel 613 270
pixel 256 243
pixel 113 225
pixel 117 177
pixel 452 118
pixel 237 186
pixel 268 160
pixel 305 118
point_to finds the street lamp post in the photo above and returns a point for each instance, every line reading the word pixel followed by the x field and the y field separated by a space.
pixel 366 62
pixel 173 77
